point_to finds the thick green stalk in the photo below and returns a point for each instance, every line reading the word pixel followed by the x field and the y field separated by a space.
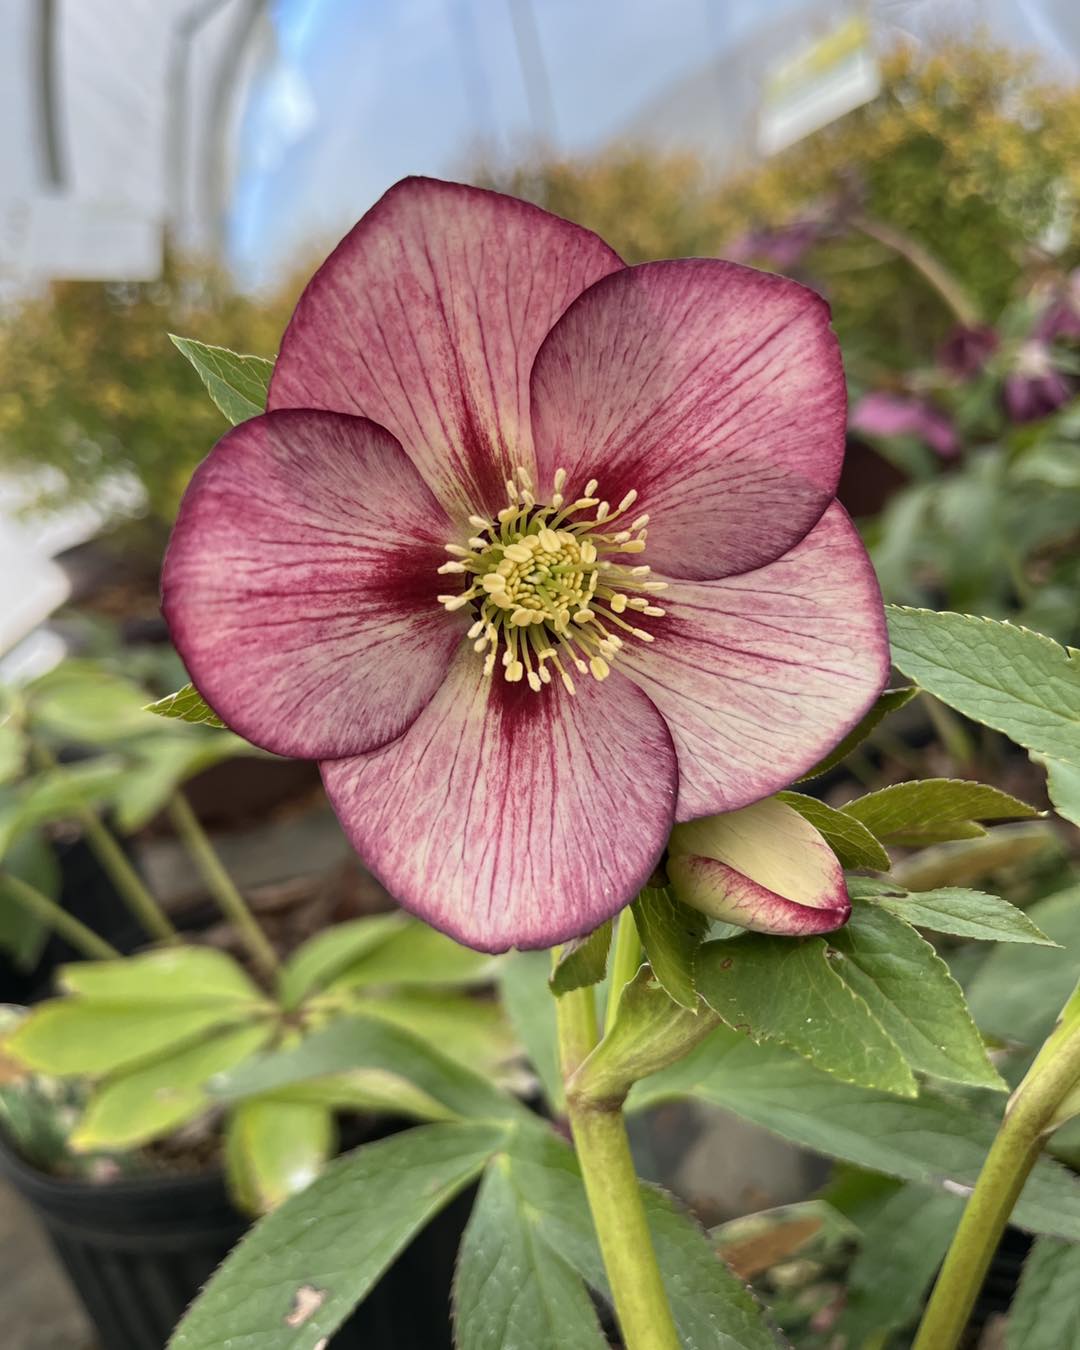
pixel 70 928
pixel 625 961
pixel 220 884
pixel 923 261
pixel 611 1184
pixel 1028 1118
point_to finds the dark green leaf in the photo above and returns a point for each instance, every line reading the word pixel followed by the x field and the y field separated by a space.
pixel 951 909
pixel 23 934
pixel 785 989
pixel 187 705
pixel 908 988
pixel 848 838
pixel 275 1148
pixel 582 962
pixel 1063 787
pixel 1016 681
pixel 671 934
pixel 323 957
pixel 1045 1311
pixel 526 996
pixel 300 1271
pixel 236 383
pixel 889 702
pixel 511 1289
pixel 934 809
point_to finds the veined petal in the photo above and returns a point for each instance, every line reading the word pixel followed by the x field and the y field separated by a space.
pixel 713 390
pixel 508 818
pixel 300 582
pixel 764 868
pixel 760 675
pixel 426 318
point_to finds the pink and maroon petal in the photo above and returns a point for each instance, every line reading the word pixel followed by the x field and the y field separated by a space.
pixel 426 318
pixel 508 818
pixel 760 675
pixel 763 868
pixel 713 390
pixel 300 585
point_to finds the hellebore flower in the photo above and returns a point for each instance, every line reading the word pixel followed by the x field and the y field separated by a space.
pixel 966 350
pixel 535 552
pixel 881 414
pixel 1034 387
pixel 764 868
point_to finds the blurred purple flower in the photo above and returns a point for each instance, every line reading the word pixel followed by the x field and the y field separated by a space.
pixel 1061 318
pixel 966 350
pixel 1034 388
pixel 881 414
pixel 783 248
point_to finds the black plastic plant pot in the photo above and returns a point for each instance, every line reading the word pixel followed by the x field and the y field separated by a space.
pixel 138 1250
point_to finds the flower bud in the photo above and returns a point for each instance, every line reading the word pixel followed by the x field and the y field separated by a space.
pixel 765 868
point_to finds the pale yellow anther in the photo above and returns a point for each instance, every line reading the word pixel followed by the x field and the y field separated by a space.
pixel 514 672
pixel 477 628
pixel 633 546
pixel 479 523
pixel 641 633
pixel 602 511
pixel 451 567
pixel 584 616
pixel 567 681
pixel 522 617
pixel 493 581
pixel 640 523
pixel 618 603
pixel 523 477
pixel 654 611
pixel 518 553
pixel 560 479
pixel 549 541
pixel 534 681
pixel 600 668
pixel 591 486
pixel 453 602
pixel 628 501
pixel 638 602
pixel 456 551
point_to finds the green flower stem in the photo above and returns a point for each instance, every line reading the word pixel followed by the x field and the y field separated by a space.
pixel 220 884
pixel 83 939
pixel 1029 1117
pixel 624 963
pixel 611 1184
pixel 923 261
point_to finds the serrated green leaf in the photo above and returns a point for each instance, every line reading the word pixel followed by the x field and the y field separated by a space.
pixel 582 962
pixel 908 988
pixel 1018 682
pixel 932 810
pixel 1017 992
pixel 146 1103
pixel 186 705
pixel 236 383
pixel 319 961
pixel 908 1238
pixel 671 934
pixel 364 1043
pixel 952 909
pixel 930 1139
pixel 71 1037
pixel 1063 787
pixel 712 1308
pixel 1045 1311
pixel 888 702
pixel 197 977
pixel 848 838
pixel 275 1149
pixel 786 990
pixel 525 994
pixel 511 1289
pixel 293 1280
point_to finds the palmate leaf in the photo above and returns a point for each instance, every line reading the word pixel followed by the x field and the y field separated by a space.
pixel 236 383
pixel 1018 682
pixel 297 1275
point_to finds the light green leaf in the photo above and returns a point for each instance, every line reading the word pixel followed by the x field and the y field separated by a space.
pixel 671 934
pixel 473 1031
pixel 196 977
pixel 75 1037
pixel 322 958
pixel 1017 992
pixel 373 1090
pixel 969 862
pixel 12 750
pixel 785 990
pixel 1063 787
pixel 908 988
pixel 297 1275
pixel 82 703
pixel 58 794
pixel 848 838
pixel 146 1103
pixel 511 1289
pixel 364 1043
pixel 1018 682
pixel 932 810
pixel 930 1139
pixel 951 909
pixel 907 1238
pixel 417 954
pixel 648 1029
pixel 1045 1311
pixel 888 702
pixel 186 705
pixel 236 383
pixel 23 934
pixel 162 765
pixel 582 962
pixel 276 1148
pixel 712 1308
pixel 524 993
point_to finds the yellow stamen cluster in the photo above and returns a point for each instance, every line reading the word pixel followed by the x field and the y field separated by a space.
pixel 548 584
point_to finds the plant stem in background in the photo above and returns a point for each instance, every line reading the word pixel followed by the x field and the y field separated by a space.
pixel 924 262
pixel 611 1184
pixel 624 963
pixel 1029 1117
pixel 220 884
pixel 70 928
